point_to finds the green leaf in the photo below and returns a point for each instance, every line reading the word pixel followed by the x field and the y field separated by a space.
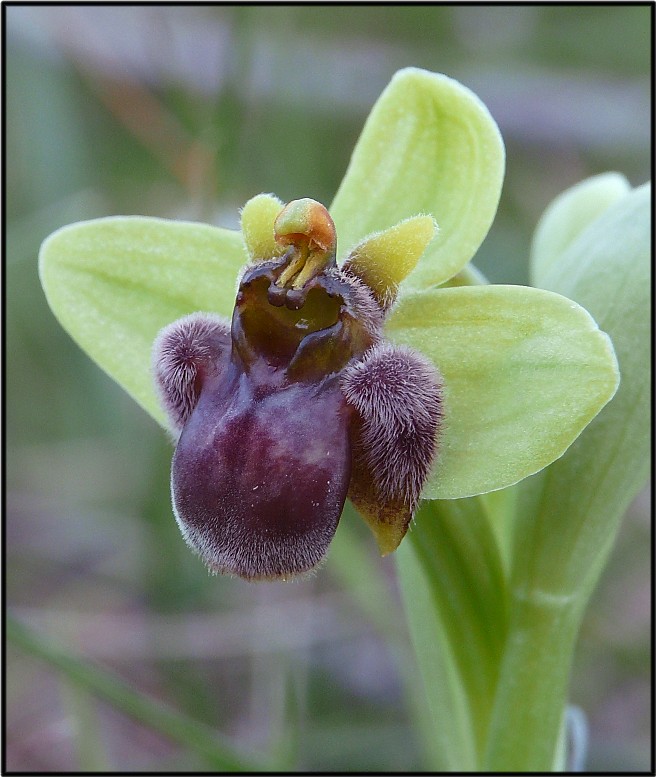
pixel 569 514
pixel 607 268
pixel 524 371
pixel 455 596
pixel 569 214
pixel 113 283
pixel 431 147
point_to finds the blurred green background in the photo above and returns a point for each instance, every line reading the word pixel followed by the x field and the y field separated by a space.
pixel 186 112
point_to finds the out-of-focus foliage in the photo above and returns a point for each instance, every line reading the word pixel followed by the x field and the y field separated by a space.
pixel 187 112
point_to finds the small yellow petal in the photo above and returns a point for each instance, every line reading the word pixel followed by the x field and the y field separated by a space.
pixel 384 259
pixel 257 218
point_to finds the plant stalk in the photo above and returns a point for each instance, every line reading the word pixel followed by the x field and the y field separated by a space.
pixel 533 683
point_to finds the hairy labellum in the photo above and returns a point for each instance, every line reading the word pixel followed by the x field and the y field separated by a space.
pixel 296 404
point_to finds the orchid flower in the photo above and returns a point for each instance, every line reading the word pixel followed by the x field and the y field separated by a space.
pixel 361 356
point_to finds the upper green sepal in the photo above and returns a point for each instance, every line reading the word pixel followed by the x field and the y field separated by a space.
pixel 429 146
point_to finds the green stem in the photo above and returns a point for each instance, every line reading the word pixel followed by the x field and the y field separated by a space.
pixel 188 732
pixel 532 690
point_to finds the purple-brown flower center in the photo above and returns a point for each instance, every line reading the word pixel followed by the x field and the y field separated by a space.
pixel 263 465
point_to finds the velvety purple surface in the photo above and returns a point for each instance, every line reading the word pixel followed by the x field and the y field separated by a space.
pixel 260 474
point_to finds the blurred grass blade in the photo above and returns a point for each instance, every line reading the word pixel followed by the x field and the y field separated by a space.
pixel 356 565
pixel 568 516
pixel 113 283
pixel 524 371
pixel 80 709
pixel 189 733
pixel 454 592
pixel 429 147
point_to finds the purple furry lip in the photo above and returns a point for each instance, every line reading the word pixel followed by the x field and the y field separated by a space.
pixel 259 490
pixel 296 405
pixel 262 467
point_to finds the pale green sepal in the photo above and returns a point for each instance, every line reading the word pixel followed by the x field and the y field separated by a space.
pixel 257 218
pixel 525 370
pixel 428 146
pixel 113 283
pixel 569 214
